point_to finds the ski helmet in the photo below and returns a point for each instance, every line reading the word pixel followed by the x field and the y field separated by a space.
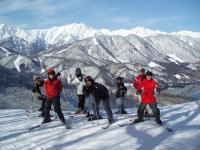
pixel 119 78
pixel 78 71
pixel 142 70
pixel 149 73
pixel 51 71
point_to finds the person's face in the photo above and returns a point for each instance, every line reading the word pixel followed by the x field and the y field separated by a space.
pixel 149 77
pixel 142 73
pixel 77 72
pixel 88 83
pixel 118 81
pixel 51 76
pixel 37 81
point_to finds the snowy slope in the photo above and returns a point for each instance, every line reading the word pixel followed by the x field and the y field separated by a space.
pixel 184 119
pixel 4 52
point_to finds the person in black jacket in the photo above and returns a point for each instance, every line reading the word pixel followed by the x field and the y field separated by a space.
pixel 38 84
pixel 120 94
pixel 99 92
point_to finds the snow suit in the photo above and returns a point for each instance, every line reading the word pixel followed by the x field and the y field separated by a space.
pixel 53 89
pixel 147 88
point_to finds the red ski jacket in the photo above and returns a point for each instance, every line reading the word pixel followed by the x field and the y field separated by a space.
pixel 138 80
pixel 148 87
pixel 53 88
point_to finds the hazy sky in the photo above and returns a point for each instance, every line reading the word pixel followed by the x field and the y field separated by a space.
pixel 164 15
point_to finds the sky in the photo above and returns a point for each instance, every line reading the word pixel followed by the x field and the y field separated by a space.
pixel 164 15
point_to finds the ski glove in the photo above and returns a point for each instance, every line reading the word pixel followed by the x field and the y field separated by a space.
pixel 41 97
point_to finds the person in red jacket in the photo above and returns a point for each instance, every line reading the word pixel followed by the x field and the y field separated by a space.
pixel 138 79
pixel 53 87
pixel 136 82
pixel 148 88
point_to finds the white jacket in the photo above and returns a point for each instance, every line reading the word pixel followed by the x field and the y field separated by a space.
pixel 79 84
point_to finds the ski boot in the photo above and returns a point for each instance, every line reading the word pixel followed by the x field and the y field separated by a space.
pixel 89 115
pixel 124 112
pixel 111 121
pixel 94 118
pixel 117 112
pixel 78 111
pixel 158 121
pixel 46 121
pixel 138 120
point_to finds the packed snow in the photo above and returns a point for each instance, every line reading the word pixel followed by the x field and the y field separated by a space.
pixel 191 66
pixel 6 51
pixel 176 58
pixel 84 135
pixel 178 76
pixel 17 63
pixel 155 65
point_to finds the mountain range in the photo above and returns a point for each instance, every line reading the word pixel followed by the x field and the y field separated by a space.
pixel 103 54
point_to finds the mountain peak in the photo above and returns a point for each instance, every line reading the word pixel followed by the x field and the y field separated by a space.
pixel 2 25
pixel 78 31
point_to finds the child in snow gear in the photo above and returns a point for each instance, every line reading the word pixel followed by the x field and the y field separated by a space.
pixel 99 92
pixel 120 94
pixel 136 82
pixel 78 81
pixel 53 88
pixel 147 88
pixel 38 84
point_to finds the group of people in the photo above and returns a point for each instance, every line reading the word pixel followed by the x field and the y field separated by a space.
pixel 144 84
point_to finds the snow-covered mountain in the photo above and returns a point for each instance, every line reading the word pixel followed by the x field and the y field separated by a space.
pixel 32 40
pixel 53 36
pixel 184 119
pixel 102 53
pixel 79 31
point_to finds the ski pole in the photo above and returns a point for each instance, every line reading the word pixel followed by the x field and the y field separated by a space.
pixel 64 95
pixel 32 103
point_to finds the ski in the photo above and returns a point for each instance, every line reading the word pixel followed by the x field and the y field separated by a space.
pixel 68 127
pixel 40 125
pixel 133 123
pixel 166 128
pixel 125 124
pixel 34 127
pixel 108 125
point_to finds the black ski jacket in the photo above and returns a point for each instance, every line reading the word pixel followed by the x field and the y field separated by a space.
pixel 121 90
pixel 98 90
